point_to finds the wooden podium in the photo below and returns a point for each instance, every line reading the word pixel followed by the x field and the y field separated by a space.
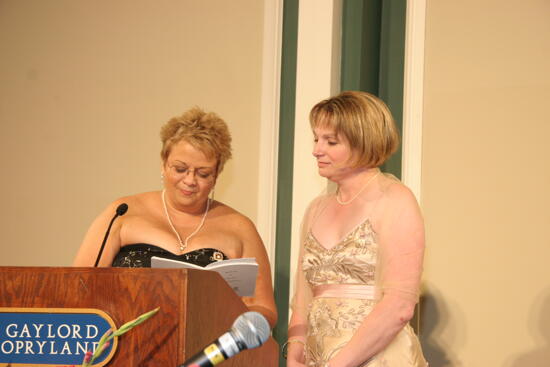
pixel 196 307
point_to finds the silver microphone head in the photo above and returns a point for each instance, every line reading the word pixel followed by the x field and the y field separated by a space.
pixel 251 330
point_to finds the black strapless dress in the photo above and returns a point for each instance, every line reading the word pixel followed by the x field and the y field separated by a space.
pixel 139 256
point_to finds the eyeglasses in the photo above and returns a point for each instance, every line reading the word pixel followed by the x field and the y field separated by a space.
pixel 202 173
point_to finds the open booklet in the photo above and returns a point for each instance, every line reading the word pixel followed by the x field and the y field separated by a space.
pixel 240 274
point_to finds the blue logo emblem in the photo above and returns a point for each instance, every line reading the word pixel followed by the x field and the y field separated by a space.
pixel 52 336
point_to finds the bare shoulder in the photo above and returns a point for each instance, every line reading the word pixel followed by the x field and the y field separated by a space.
pixel 230 216
pixel 234 224
pixel 238 226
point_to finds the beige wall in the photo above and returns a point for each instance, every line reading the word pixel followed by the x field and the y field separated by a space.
pixel 486 183
pixel 84 89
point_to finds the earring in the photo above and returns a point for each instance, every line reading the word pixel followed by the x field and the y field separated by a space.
pixel 162 178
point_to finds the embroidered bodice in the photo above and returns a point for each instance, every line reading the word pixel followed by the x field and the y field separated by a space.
pixel 351 261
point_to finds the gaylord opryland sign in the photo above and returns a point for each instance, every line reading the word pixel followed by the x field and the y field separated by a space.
pixel 52 336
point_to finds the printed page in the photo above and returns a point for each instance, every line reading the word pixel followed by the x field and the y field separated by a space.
pixel 240 274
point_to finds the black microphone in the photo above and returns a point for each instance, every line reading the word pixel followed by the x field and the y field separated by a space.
pixel 250 330
pixel 120 210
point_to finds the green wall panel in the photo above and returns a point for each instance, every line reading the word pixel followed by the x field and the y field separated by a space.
pixel 284 169
pixel 373 52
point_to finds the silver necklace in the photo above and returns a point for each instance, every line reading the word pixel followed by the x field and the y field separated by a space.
pixel 183 244
pixel 356 195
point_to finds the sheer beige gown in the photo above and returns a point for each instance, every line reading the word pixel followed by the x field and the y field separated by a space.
pixel 333 319
pixel 344 283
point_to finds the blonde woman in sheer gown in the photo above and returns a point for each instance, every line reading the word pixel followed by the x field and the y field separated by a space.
pixel 361 248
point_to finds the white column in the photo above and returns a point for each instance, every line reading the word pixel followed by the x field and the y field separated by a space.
pixel 269 125
pixel 411 171
pixel 317 78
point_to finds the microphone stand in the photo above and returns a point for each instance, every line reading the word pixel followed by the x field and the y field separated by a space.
pixel 120 210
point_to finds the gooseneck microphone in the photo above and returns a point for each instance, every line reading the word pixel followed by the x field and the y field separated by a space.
pixel 250 330
pixel 120 210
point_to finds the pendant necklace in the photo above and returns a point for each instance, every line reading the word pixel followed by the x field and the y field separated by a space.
pixel 341 202
pixel 183 244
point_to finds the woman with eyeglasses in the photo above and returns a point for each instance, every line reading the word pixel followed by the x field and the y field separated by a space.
pixel 182 222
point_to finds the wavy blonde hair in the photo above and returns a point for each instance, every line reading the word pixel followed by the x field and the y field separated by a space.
pixel 364 120
pixel 206 132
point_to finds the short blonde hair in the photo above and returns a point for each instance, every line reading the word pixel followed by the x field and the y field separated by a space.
pixel 206 132
pixel 364 121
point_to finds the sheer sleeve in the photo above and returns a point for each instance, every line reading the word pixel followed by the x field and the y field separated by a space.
pixel 401 245
pixel 302 294
pixel 400 236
